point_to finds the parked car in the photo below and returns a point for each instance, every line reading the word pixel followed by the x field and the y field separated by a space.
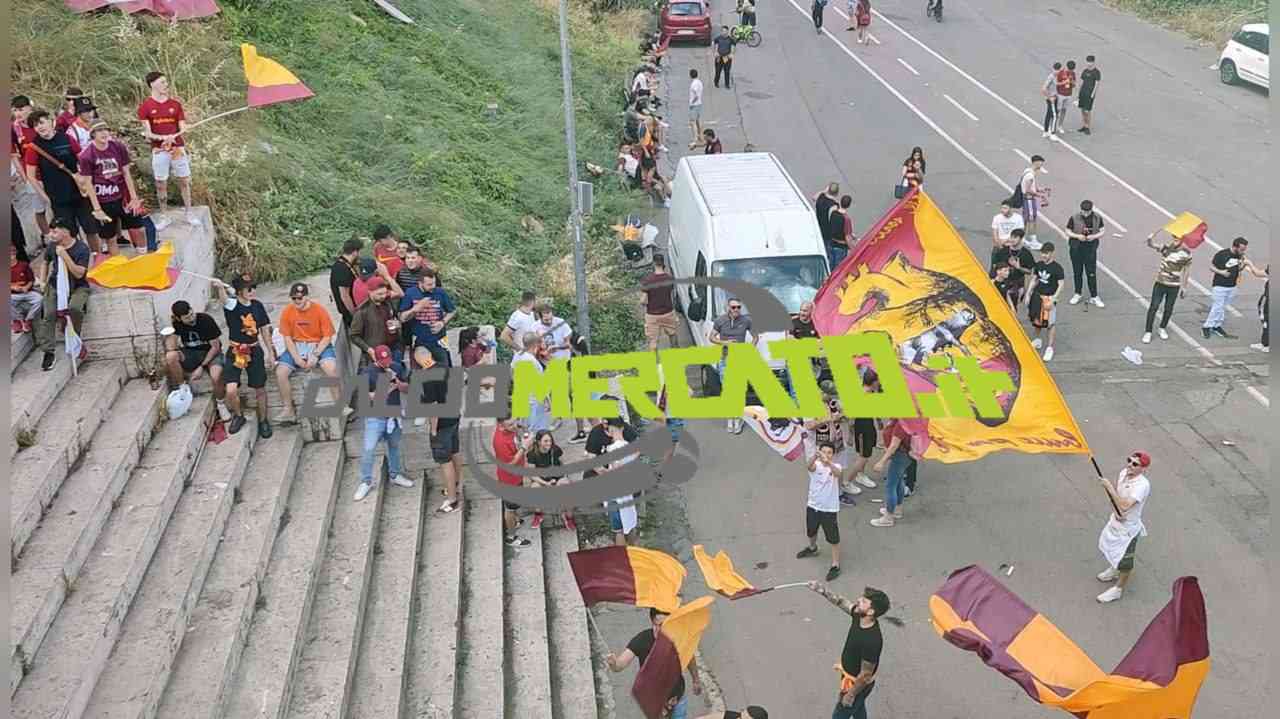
pixel 1247 56
pixel 687 20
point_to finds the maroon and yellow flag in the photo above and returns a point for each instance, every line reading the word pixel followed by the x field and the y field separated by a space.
pixel 269 81
pixel 628 575
pixel 913 278
pixel 673 647
pixel 720 576
pixel 1158 679
pixel 1188 228
pixel 143 272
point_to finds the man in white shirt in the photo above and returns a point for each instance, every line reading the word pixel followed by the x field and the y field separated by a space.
pixel 1119 537
pixel 823 509
pixel 623 520
pixel 520 322
pixel 695 104
pixel 1003 225
pixel 1031 199
pixel 555 333
pixel 539 416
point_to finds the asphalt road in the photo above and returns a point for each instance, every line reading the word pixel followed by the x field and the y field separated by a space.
pixel 1168 137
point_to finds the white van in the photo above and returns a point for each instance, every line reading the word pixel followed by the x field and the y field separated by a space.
pixel 741 216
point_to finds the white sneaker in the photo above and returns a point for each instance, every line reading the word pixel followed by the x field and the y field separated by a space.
pixel 1163 334
pixel 363 490
pixel 224 414
pixel 1037 343
pixel 1146 338
pixel 162 222
pixel 1048 354
pixel 1075 300
pixel 1110 595
pixel 1096 302
pixel 1260 347
pixel 400 480
pixel 850 488
pixel 419 421
pixel 1044 134
pixel 1108 575
pixel 864 480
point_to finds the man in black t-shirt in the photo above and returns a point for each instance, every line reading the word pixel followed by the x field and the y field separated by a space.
pixel 249 350
pixel 638 649
pixel 1046 283
pixel 75 257
pixel 1090 78
pixel 1085 230
pixel 860 658
pixel 1017 258
pixel 194 348
pixel 52 159
pixel 445 446
pixel 342 279
pixel 1227 265
pixel 823 203
pixel 724 56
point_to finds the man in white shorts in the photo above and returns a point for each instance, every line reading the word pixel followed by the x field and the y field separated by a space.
pixel 163 121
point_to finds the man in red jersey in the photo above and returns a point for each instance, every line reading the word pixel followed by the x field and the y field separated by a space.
pixel 162 120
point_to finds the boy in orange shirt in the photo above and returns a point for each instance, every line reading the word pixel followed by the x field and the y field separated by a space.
pixel 308 335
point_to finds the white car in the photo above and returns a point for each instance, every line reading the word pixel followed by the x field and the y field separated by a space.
pixel 1247 56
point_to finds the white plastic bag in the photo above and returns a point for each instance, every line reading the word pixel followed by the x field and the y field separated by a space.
pixel 179 401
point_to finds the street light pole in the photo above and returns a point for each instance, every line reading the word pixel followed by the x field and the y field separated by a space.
pixel 571 139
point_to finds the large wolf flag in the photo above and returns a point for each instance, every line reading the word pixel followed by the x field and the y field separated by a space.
pixel 1158 679
pixel 913 278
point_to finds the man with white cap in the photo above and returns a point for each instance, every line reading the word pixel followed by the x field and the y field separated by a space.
pixel 1119 536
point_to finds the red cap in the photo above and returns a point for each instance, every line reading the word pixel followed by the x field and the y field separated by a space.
pixel 382 356
pixel 374 283
pixel 1144 459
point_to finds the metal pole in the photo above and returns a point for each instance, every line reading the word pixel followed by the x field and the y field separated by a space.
pixel 571 139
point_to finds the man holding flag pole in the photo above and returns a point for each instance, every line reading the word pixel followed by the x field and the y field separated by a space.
pixel 66 294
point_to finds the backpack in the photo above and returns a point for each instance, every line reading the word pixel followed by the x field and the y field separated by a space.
pixel 1017 199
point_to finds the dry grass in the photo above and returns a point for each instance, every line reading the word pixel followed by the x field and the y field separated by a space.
pixel 1210 21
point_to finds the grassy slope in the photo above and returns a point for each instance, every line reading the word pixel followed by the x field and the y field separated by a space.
pixel 1211 21
pixel 395 134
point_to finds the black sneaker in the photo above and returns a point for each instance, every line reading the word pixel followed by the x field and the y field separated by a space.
pixel 48 361
pixel 833 572
pixel 1207 332
pixel 517 542
pixel 806 552
pixel 236 424
pixel 847 499
pixel 264 430
pixel 1223 333
pixel 578 438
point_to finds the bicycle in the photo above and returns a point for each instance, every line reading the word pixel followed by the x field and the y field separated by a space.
pixel 933 8
pixel 746 34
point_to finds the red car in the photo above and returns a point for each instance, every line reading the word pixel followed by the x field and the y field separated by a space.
pixel 687 20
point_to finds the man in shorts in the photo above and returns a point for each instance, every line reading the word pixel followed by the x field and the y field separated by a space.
pixel 1090 79
pixel 510 450
pixel 106 164
pixel 308 334
pixel 194 349
pixel 249 351
pixel 695 103
pixel 163 119
pixel 823 509
pixel 865 436
pixel 445 446
pixel 659 310
pixel 1031 198
pixel 1046 282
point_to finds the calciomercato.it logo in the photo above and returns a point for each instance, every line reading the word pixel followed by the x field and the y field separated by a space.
pixel 963 389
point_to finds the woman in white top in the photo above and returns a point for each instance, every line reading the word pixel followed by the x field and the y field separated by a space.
pixel 1119 536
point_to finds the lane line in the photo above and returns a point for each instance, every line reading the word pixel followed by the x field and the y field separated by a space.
pixel 1111 220
pixel 912 69
pixel 870 37
pixel 960 107
pixel 1182 334
pixel 1115 178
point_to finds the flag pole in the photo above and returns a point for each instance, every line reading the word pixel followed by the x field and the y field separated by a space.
pixel 215 117
pixel 591 619
pixel 790 585
pixel 1111 499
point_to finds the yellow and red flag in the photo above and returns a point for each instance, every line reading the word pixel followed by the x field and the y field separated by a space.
pixel 269 81
pixel 720 576
pixel 628 575
pixel 1158 679
pixel 787 438
pixel 1188 228
pixel 144 272
pixel 673 647
pixel 913 278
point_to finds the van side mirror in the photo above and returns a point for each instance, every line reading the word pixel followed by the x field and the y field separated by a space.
pixel 697 310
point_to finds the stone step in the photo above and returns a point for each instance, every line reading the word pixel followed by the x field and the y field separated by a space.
pixel 219 625
pixel 433 667
pixel 525 619
pixel 131 685
pixel 62 435
pixel 19 347
pixel 481 669
pixel 31 392
pixel 52 558
pixel 76 648
pixel 264 676
pixel 378 691
pixel 322 684
pixel 573 689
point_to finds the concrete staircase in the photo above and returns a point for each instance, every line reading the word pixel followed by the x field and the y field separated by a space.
pixel 156 574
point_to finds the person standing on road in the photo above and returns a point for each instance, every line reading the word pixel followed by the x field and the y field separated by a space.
pixel 638 651
pixel 1002 227
pixel 1226 265
pixel 659 310
pixel 1031 196
pixel 862 648
pixel 1264 314
pixel 1090 79
pixel 896 459
pixel 730 327
pixel 1170 283
pixel 1016 258
pixel 860 14
pixel 823 203
pixel 1066 87
pixel 840 232
pixel 724 57
pixel 823 507
pixel 1084 232
pixel 816 10
pixel 1119 538
pixel 1046 283
pixel 695 103
pixel 1049 91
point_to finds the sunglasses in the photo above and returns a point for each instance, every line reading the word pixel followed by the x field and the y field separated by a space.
pixel 298 297
pixel 1135 462
pixel 735 307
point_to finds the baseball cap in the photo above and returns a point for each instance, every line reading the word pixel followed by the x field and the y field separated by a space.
pixel 84 104
pixel 1143 458
pixel 99 125
pixel 298 288
pixel 375 283
pixel 241 282
pixel 382 356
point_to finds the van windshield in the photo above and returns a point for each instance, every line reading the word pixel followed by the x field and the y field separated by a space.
pixel 793 280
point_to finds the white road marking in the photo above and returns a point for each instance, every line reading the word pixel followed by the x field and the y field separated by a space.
pixel 1201 349
pixel 960 107
pixel 1112 221
pixel 1115 178
pixel 912 69
pixel 870 37
pixel 1258 395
